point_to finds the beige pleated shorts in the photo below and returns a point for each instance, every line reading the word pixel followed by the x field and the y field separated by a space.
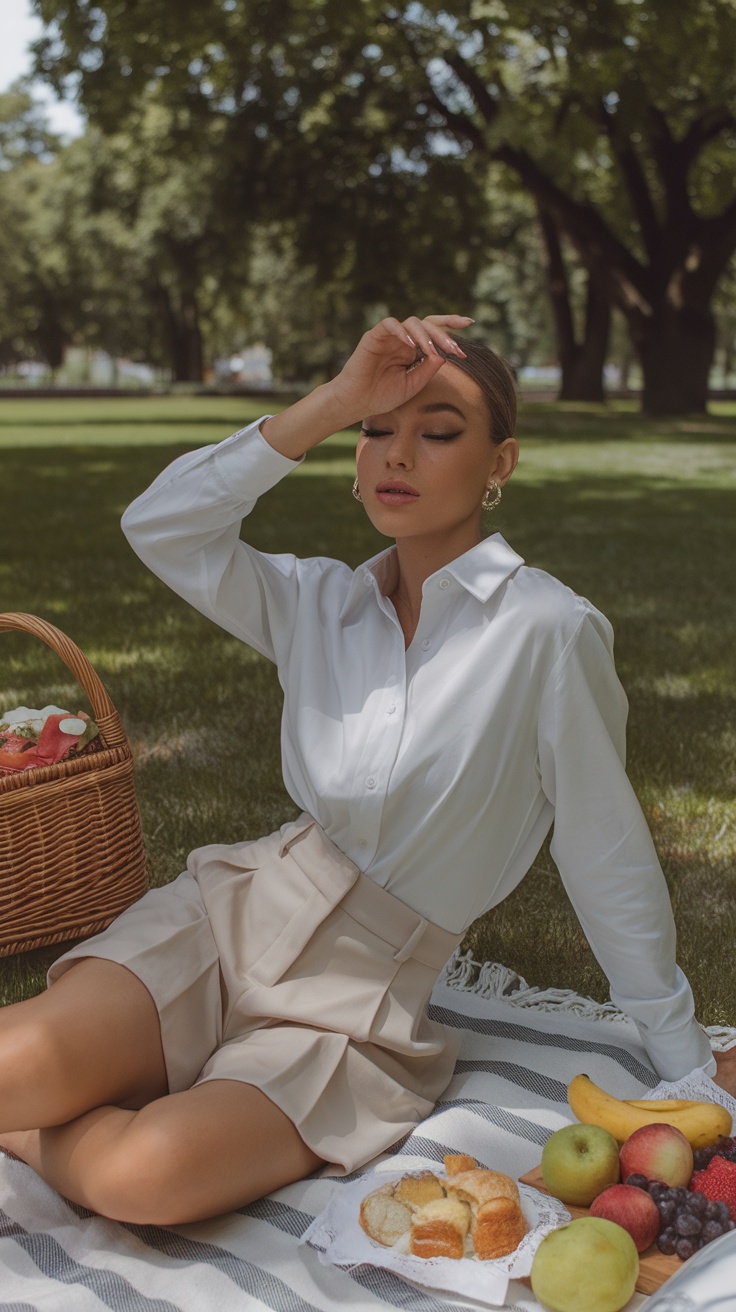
pixel 278 963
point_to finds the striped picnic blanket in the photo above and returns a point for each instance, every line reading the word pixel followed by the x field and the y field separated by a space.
pixel 508 1094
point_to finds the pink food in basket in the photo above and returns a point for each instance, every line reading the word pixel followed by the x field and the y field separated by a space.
pixel 54 743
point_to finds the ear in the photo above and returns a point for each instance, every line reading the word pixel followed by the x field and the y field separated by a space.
pixel 506 459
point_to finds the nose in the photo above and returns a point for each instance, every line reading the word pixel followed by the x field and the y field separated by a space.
pixel 400 451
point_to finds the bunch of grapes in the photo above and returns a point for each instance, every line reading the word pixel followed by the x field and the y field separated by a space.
pixel 688 1221
pixel 723 1148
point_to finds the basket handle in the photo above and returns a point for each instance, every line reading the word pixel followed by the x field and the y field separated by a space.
pixel 112 732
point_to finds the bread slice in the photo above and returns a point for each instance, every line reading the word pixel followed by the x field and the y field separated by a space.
pixel 439 1229
pixel 384 1218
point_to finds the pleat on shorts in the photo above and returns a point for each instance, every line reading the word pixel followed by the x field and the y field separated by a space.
pixel 278 963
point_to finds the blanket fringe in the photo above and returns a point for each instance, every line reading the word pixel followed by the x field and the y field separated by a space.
pixel 489 979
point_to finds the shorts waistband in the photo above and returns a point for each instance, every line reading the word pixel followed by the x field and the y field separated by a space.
pixel 380 912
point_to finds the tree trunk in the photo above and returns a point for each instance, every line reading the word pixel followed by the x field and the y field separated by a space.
pixel 584 379
pixel 581 363
pixel 186 341
pixel 182 337
pixel 676 349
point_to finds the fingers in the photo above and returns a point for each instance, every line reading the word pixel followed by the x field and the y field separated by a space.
pixel 428 333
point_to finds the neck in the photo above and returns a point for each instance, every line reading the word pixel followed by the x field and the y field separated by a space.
pixel 417 558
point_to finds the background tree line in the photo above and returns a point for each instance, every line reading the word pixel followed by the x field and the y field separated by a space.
pixel 289 169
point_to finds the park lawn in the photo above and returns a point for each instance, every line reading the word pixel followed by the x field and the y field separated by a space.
pixel 637 516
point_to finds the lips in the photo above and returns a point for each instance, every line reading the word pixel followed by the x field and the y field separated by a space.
pixel 395 486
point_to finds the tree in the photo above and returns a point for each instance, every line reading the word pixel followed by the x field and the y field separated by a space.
pixel 618 117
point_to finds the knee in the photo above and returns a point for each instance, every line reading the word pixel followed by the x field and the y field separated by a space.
pixel 29 1056
pixel 142 1179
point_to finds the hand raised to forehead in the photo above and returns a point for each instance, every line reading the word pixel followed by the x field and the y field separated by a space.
pixel 393 361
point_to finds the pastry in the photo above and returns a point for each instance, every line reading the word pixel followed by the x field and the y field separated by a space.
pixel 416 1190
pixel 457 1162
pixel 439 1229
pixel 498 1224
pixel 438 1215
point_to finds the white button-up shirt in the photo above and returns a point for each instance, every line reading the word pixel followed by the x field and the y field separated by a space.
pixel 439 769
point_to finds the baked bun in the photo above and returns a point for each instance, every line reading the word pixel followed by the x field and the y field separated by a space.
pixel 498 1224
pixel 498 1229
pixel 439 1229
pixel 457 1162
pixel 384 1218
pixel 417 1190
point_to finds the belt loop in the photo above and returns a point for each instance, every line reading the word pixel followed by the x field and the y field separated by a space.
pixel 412 942
pixel 301 830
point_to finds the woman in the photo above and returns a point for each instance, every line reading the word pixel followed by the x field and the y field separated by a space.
pixel 264 1015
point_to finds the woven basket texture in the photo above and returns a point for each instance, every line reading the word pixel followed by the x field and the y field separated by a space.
pixel 71 847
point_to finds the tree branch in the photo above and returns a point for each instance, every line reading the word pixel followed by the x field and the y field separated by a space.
pixel 599 248
pixel 636 184
pixel 487 104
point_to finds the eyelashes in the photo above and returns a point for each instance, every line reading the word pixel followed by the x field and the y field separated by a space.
pixel 432 437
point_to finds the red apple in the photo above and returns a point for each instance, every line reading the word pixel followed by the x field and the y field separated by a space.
pixel 631 1208
pixel 658 1152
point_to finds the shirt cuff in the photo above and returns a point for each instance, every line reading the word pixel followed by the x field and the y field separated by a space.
pixel 248 464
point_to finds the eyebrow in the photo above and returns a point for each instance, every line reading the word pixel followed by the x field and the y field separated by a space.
pixel 436 406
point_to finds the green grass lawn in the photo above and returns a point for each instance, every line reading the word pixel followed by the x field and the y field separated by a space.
pixel 637 516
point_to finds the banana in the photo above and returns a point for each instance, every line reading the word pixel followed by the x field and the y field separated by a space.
pixel 701 1122
pixel 660 1105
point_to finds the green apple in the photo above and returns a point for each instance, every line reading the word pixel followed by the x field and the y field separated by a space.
pixel 579 1162
pixel 590 1265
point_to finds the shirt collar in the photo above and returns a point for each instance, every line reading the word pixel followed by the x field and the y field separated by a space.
pixel 479 571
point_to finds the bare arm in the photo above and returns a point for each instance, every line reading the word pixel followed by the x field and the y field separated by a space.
pixel 391 363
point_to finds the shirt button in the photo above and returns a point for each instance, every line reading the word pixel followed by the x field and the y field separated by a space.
pixel 367 580
pixel 363 842
pixel 390 709
pixel 370 781
pixel 426 644
pixel 444 583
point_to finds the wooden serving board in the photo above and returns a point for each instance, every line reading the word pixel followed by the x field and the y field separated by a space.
pixel 654 1267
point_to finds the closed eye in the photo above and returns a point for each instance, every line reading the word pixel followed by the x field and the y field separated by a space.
pixel 433 437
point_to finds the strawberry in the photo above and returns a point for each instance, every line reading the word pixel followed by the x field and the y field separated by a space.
pixel 718 1183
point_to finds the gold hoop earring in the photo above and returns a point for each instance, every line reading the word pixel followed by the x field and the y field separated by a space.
pixel 491 496
pixel 356 491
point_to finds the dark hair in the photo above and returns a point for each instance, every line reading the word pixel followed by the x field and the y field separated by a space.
pixel 495 379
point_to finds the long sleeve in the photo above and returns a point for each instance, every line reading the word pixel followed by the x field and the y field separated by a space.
pixel 605 854
pixel 186 529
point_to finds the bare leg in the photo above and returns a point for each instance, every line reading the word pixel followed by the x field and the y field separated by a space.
pixel 181 1158
pixel 92 1039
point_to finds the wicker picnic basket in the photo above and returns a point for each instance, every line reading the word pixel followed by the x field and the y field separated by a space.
pixel 71 847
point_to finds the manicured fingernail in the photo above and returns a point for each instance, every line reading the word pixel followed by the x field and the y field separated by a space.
pixel 411 341
pixel 452 345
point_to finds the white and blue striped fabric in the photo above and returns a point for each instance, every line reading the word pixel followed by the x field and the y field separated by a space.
pixel 507 1096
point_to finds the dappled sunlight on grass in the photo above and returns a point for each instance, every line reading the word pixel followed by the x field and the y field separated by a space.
pixel 638 517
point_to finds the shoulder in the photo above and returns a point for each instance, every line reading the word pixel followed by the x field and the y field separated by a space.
pixel 554 614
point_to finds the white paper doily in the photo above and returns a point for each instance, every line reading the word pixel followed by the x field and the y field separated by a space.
pixel 338 1238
